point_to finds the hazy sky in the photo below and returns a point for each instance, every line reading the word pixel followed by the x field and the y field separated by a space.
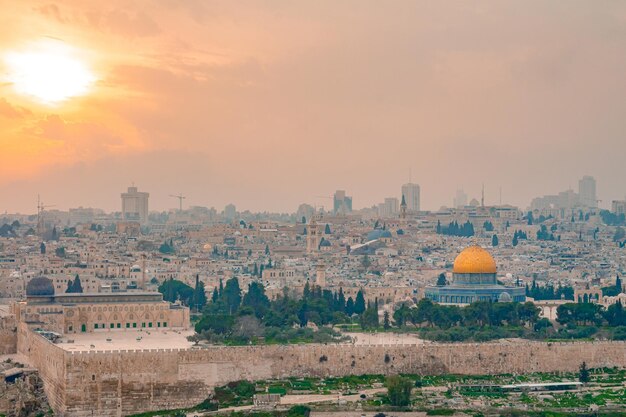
pixel 271 103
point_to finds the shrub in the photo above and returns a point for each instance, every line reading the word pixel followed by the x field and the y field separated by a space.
pixel 299 411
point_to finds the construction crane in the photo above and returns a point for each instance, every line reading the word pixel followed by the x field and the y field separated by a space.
pixel 180 198
pixel 40 209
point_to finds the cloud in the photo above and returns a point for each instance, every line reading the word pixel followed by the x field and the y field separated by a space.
pixel 12 112
pixel 116 21
pixel 51 11
pixel 130 24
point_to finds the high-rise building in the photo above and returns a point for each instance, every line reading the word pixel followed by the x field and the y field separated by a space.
pixel 411 193
pixel 135 205
pixel 342 204
pixel 460 200
pixel 587 191
pixel 389 208
pixel 230 211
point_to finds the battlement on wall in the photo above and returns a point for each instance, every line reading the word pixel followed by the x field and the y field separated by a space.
pixel 122 351
pixel 119 382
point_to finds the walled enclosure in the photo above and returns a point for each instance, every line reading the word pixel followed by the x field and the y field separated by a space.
pixel 118 383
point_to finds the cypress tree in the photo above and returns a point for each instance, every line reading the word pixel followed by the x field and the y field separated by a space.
pixel 359 304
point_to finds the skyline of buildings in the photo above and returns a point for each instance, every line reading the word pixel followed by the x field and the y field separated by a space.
pixel 135 203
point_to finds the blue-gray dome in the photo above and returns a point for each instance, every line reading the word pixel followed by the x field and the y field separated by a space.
pixel 378 234
pixel 40 286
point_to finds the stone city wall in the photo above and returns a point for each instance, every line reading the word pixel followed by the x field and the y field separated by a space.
pixel 124 382
pixel 49 360
pixel 8 335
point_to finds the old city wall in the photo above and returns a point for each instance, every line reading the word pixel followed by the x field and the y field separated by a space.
pixel 8 335
pixel 49 360
pixel 125 382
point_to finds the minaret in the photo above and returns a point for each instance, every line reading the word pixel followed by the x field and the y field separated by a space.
pixel 482 198
pixel 403 208
pixel 143 272
pixel 320 274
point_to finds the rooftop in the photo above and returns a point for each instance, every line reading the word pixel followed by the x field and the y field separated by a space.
pixel 126 340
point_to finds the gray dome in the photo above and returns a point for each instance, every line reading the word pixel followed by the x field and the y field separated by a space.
pixel 504 297
pixel 40 286
pixel 378 234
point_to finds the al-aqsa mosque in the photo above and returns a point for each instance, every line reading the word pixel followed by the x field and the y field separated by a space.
pixel 474 279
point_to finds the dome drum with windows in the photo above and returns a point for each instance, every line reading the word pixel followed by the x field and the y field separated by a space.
pixel 474 279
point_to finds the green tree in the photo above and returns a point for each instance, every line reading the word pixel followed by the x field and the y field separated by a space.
pixel 217 323
pixel 199 295
pixel 42 248
pixel 167 248
pixel 441 280
pixel 327 229
pixel 365 261
pixel 60 252
pixel 340 303
pixel 398 390
pixel 386 321
pixel 77 286
pixel 256 299
pixel 494 240
pixel 299 411
pixel 583 373
pixel 359 303
pixel 583 314
pixel 174 290
pixel 232 295
pixel 350 307
pixel 369 319
pixel 614 315
pixel 402 315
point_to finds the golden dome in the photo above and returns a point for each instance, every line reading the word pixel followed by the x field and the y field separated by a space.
pixel 474 260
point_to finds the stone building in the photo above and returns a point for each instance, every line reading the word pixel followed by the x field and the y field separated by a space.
pixel 93 312
pixel 474 279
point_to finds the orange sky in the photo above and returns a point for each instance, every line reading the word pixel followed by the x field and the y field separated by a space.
pixel 270 103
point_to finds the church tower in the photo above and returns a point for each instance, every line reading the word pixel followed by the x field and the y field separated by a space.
pixel 403 208
pixel 315 232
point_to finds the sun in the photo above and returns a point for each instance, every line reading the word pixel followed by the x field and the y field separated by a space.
pixel 48 71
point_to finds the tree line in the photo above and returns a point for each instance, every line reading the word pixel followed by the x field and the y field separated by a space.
pixel 454 229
